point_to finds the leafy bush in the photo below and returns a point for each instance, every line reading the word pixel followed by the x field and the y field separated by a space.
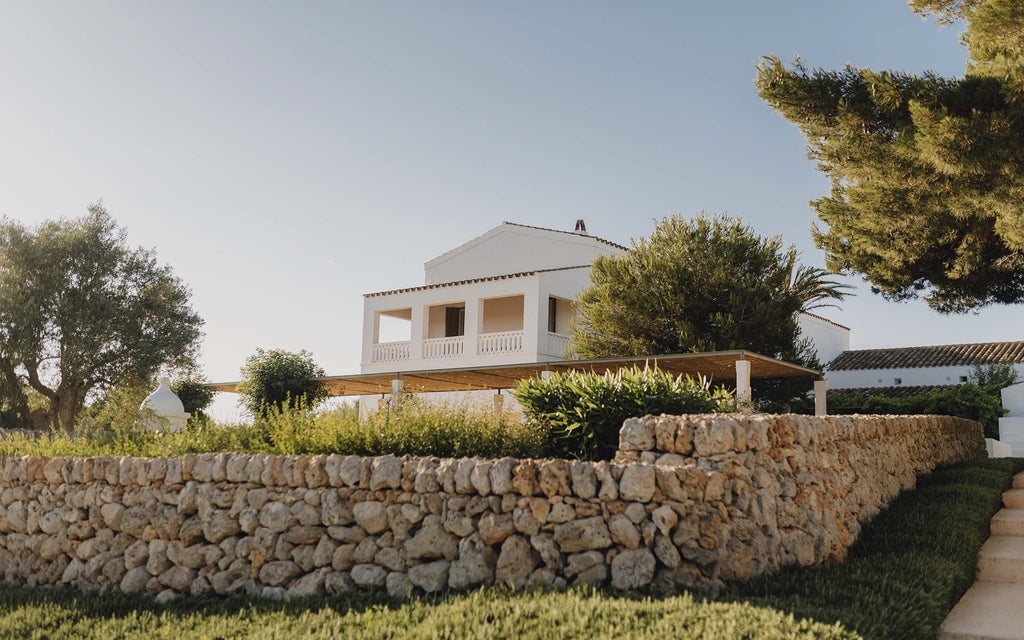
pixel 279 378
pixel 584 411
pixel 193 393
pixel 971 401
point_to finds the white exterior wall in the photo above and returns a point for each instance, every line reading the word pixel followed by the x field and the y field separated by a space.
pixel 829 339
pixel 1013 400
pixel 911 377
pixel 503 314
pixel 1011 426
pixel 514 249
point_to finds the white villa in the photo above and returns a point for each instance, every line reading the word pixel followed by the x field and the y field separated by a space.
pixel 505 297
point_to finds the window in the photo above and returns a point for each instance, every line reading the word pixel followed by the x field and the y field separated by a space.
pixel 897 380
pixel 552 315
pixel 963 378
pixel 454 321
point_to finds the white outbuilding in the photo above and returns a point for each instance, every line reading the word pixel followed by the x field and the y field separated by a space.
pixel 167 413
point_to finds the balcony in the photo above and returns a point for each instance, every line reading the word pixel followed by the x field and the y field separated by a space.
pixel 487 344
pixel 443 347
pixel 391 351
pixel 557 344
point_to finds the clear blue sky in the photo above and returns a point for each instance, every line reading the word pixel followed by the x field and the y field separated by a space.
pixel 286 158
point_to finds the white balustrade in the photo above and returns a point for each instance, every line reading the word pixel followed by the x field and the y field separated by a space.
pixel 391 351
pixel 503 342
pixel 443 347
pixel 557 344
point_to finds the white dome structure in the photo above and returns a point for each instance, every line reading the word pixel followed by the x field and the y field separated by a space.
pixel 169 413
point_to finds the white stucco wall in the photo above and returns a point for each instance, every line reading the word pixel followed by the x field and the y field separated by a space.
pixel 910 377
pixel 829 339
pixel 502 314
pixel 514 249
pixel 1013 400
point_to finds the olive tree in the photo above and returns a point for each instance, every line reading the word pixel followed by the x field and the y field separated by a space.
pixel 81 312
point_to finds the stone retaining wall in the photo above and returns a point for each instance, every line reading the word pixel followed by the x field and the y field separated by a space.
pixel 690 500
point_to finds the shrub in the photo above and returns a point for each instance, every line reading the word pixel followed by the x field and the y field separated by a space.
pixel 971 401
pixel 414 430
pixel 193 393
pixel 278 378
pixel 583 412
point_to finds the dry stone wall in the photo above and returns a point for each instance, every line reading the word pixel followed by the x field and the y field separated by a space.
pixel 690 500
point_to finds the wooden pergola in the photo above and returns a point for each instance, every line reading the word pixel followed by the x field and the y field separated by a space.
pixel 737 366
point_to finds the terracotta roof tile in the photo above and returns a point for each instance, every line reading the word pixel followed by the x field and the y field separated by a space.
pixel 826 320
pixel 505 276
pixel 947 355
pixel 572 233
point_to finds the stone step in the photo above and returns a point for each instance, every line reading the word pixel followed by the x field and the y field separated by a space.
pixel 1014 499
pixel 1008 522
pixel 988 611
pixel 1018 481
pixel 1001 559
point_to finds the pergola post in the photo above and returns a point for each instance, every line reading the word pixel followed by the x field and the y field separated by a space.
pixel 743 381
pixel 820 398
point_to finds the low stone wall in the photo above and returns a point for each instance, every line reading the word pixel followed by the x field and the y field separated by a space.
pixel 690 500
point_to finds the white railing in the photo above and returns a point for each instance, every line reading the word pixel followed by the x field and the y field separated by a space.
pixel 557 344
pixel 443 347
pixel 504 342
pixel 390 351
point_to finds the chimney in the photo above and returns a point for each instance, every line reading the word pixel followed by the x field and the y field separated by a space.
pixel 581 227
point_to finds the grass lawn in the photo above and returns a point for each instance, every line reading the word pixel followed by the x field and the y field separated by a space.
pixel 908 568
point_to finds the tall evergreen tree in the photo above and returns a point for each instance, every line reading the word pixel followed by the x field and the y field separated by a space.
pixel 927 172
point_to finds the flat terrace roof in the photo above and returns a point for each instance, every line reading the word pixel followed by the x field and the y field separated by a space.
pixel 717 365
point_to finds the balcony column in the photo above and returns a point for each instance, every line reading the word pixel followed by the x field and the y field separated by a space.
pixel 474 320
pixel 535 319
pixel 417 331
pixel 371 331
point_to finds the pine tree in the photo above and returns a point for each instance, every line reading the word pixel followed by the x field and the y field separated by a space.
pixel 927 172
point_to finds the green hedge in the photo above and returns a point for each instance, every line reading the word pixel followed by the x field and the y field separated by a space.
pixel 964 401
pixel 583 412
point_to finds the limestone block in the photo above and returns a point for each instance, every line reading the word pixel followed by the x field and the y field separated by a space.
pixel 474 566
pixel 369 576
pixel 516 562
pixel 624 532
pixel 371 516
pixel 431 576
pixel 432 542
pixel 638 483
pixel 636 434
pixel 386 473
pixel 633 569
pixel 278 572
pixel 583 535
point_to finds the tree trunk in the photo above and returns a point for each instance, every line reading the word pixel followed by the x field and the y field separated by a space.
pixel 64 407
pixel 16 395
